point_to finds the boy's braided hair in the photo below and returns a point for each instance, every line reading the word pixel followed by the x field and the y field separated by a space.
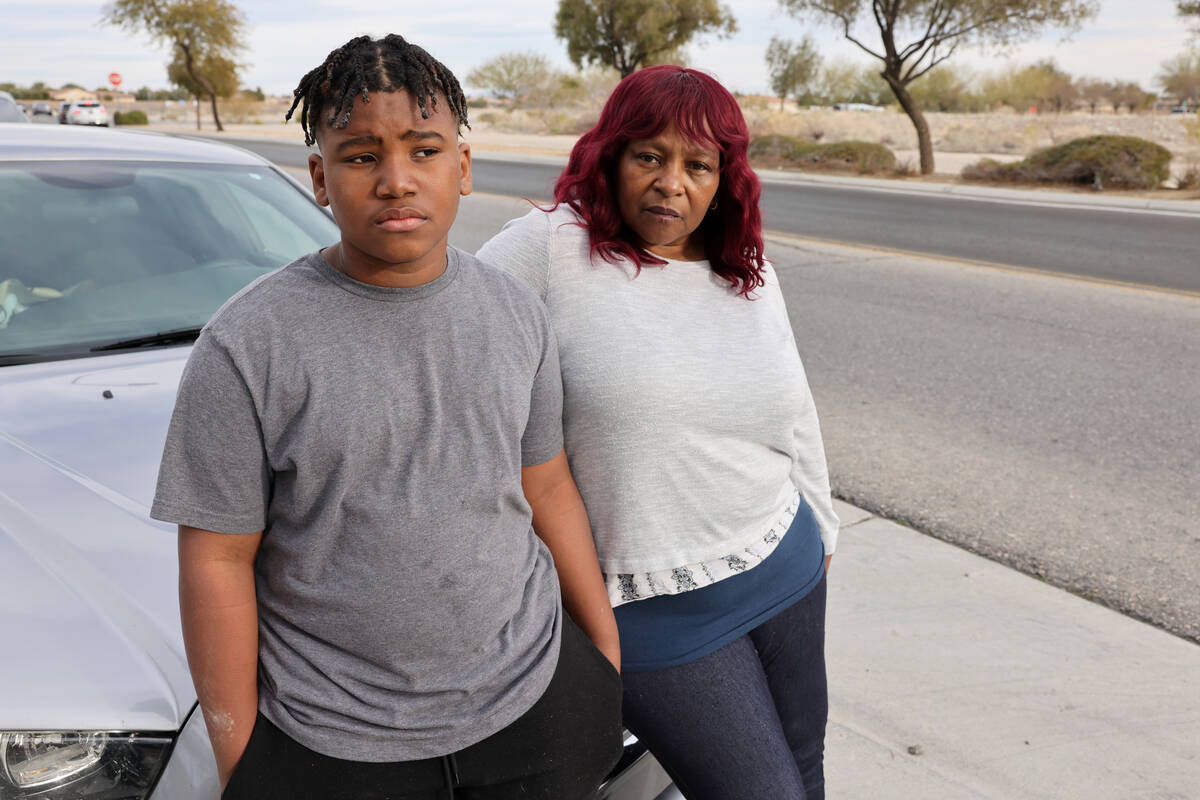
pixel 364 65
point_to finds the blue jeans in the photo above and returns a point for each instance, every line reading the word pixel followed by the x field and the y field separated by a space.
pixel 746 722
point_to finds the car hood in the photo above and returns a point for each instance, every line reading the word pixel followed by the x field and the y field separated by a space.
pixel 87 579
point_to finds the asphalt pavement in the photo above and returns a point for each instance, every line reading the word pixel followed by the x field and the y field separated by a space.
pixel 1089 234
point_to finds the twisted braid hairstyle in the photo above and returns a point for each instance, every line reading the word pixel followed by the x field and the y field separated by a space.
pixel 363 65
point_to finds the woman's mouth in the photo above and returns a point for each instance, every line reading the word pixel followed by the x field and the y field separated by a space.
pixel 662 212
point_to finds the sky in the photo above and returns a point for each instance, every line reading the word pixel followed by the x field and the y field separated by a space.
pixel 60 41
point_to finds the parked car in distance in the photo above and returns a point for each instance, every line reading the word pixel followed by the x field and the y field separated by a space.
pixel 42 109
pixel 120 246
pixel 11 110
pixel 857 107
pixel 62 113
pixel 87 112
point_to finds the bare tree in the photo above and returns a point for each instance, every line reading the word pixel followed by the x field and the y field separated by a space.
pixel 1094 91
pixel 1180 77
pixel 791 65
pixel 517 76
pixel 933 30
pixel 199 31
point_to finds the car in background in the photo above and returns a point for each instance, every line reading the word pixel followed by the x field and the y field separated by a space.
pixel 85 112
pixel 119 246
pixel 62 113
pixel 42 109
pixel 857 107
pixel 10 110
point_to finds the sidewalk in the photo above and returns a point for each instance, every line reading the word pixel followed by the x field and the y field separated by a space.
pixel 954 678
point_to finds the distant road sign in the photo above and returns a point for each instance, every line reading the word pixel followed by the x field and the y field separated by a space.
pixel 115 79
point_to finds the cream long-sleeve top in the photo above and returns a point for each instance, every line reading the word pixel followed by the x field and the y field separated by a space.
pixel 687 417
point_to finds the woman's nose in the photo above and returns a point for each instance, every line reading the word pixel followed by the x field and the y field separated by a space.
pixel 670 179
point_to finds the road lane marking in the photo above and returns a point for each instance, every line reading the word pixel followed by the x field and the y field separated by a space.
pixel 990 265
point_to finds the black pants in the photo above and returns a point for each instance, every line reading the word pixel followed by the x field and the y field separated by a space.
pixel 561 749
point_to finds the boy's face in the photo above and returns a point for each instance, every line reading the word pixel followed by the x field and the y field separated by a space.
pixel 392 181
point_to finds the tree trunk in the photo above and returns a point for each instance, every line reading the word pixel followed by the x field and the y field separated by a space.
pixel 200 81
pixel 196 105
pixel 924 140
pixel 213 99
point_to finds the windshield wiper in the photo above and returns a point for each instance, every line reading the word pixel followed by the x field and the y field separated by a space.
pixel 173 336
pixel 9 359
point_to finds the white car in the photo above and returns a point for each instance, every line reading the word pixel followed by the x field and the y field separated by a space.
pixel 85 112
pixel 118 248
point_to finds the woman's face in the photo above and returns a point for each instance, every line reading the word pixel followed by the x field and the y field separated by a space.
pixel 665 186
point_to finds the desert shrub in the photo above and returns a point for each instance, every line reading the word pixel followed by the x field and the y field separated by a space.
pixel 1103 161
pixel 1192 126
pixel 780 150
pixel 134 117
pixel 1190 179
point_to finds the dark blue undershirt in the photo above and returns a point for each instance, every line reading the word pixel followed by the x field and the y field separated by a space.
pixel 669 630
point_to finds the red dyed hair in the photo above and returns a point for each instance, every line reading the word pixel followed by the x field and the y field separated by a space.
pixel 641 107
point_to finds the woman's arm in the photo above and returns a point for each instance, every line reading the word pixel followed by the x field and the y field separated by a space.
pixel 220 633
pixel 560 520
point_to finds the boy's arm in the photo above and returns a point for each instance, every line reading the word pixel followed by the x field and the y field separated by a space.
pixel 220 633
pixel 560 520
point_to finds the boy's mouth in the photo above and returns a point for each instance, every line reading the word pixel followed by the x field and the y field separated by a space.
pixel 400 219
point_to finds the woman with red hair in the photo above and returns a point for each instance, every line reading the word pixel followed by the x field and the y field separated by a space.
pixel 691 433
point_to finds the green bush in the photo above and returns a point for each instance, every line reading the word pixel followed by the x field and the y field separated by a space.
pixel 130 118
pixel 1125 162
pixel 778 150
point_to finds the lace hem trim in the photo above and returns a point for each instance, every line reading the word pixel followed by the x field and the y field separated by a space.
pixel 627 587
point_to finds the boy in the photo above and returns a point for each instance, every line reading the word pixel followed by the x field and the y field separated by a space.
pixel 360 442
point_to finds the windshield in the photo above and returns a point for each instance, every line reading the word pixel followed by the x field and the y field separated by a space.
pixel 97 253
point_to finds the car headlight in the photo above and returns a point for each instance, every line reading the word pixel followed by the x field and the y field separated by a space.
pixel 80 765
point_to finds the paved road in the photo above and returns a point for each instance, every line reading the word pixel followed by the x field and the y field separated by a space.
pixel 1049 424
pixel 1154 249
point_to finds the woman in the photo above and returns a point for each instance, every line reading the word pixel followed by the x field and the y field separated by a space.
pixel 691 433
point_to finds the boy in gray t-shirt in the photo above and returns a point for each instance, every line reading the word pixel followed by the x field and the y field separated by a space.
pixel 360 443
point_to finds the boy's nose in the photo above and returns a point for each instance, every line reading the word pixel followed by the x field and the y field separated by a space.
pixel 395 180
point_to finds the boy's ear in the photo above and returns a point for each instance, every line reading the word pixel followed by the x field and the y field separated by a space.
pixel 316 170
pixel 465 183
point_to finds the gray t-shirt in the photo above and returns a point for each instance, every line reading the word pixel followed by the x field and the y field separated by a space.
pixel 406 608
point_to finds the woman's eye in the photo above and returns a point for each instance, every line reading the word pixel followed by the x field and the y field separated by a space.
pixel 700 166
pixel 647 158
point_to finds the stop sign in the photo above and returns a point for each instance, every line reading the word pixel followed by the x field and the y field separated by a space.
pixel 114 78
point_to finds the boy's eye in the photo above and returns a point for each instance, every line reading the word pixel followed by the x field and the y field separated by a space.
pixel 361 158
pixel 426 152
